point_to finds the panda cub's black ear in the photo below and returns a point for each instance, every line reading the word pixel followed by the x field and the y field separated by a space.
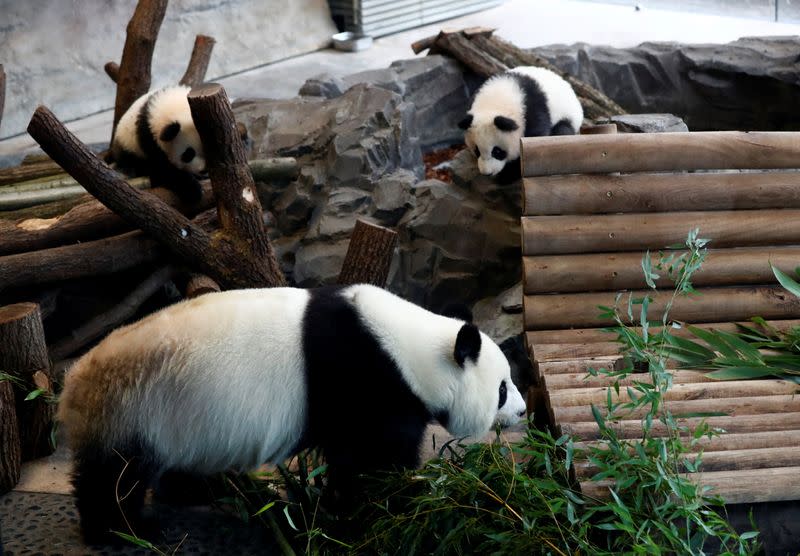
pixel 466 122
pixel 468 344
pixel 505 124
pixel 170 132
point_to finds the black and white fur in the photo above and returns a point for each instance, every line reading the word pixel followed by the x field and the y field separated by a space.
pixel 234 379
pixel 156 137
pixel 526 101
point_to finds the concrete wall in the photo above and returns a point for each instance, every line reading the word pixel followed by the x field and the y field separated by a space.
pixel 54 50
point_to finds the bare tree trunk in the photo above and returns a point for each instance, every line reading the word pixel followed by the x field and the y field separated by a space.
pixel 369 255
pixel 198 62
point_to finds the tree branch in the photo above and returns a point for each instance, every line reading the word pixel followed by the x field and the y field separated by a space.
pixel 198 62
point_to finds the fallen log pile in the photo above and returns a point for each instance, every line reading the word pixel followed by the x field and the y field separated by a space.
pixel 486 55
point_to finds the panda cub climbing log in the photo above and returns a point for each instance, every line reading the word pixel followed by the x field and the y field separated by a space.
pixel 526 101
pixel 156 137
pixel 234 379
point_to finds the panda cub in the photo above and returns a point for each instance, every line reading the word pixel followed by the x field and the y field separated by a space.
pixel 234 379
pixel 526 101
pixel 156 137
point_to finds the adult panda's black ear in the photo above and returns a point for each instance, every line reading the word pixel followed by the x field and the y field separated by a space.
pixel 457 311
pixel 468 344
pixel 170 132
pixel 466 122
pixel 505 124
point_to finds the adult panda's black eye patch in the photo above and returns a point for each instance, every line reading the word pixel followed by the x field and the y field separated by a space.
pixel 503 395
pixel 499 153
pixel 188 155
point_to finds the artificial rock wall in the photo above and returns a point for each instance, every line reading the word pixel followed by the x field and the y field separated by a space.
pixel 54 51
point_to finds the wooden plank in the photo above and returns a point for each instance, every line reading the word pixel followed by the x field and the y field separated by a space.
pixel 730 460
pixel 742 424
pixel 657 152
pixel 563 381
pixel 560 352
pixel 572 397
pixel 547 312
pixel 735 487
pixel 733 407
pixel 603 193
pixel 611 233
pixel 586 335
pixel 620 271
pixel 576 365
pixel 731 441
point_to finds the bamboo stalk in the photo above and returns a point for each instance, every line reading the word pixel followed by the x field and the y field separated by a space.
pixel 552 235
pixel 658 152
pixel 545 312
pixel 622 271
pixel 603 193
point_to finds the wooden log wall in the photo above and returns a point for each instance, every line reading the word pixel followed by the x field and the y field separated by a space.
pixel 593 207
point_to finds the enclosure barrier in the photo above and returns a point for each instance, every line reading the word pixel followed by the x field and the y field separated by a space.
pixel 593 205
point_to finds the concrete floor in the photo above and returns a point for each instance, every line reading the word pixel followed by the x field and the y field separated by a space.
pixel 527 23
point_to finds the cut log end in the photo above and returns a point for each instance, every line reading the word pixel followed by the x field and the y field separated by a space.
pixel 17 311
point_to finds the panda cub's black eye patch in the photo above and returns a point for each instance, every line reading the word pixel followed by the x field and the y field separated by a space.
pixel 188 155
pixel 503 395
pixel 477 152
pixel 499 153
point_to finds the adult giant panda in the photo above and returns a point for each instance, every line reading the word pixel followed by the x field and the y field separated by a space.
pixel 156 137
pixel 526 101
pixel 234 379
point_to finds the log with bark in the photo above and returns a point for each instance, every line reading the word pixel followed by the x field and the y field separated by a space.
pixel 10 456
pixel 198 61
pixel 486 55
pixel 369 255
pixel 24 355
pixel 133 75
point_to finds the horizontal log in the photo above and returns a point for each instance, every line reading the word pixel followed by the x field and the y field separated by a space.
pixel 586 335
pixel 557 382
pixel 543 312
pixel 559 352
pixel 733 407
pixel 29 171
pixel 731 460
pixel 621 271
pixel 580 396
pixel 554 235
pixel 91 258
pixel 657 152
pixel 726 441
pixel 744 425
pixel 602 193
pixel 735 487
pixel 86 221
pixel 576 366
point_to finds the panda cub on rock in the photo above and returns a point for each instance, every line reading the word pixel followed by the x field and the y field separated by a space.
pixel 156 137
pixel 234 379
pixel 526 101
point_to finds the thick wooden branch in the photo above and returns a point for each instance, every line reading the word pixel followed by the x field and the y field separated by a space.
pixel 369 255
pixel 198 62
pixel 470 55
pixel 104 323
pixel 112 71
pixel 2 91
pixel 224 259
pixel 87 221
pixel 237 198
pixel 10 455
pixel 133 79
pixel 90 258
pixel 30 171
pixel 23 355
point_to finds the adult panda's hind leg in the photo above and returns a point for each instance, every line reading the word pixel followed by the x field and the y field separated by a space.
pixel 110 486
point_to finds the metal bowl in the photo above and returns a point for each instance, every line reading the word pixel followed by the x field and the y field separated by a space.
pixel 351 42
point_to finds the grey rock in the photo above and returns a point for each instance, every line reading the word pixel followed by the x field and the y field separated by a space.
pixel 319 263
pixel 435 85
pixel 392 196
pixel 748 84
pixel 648 123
